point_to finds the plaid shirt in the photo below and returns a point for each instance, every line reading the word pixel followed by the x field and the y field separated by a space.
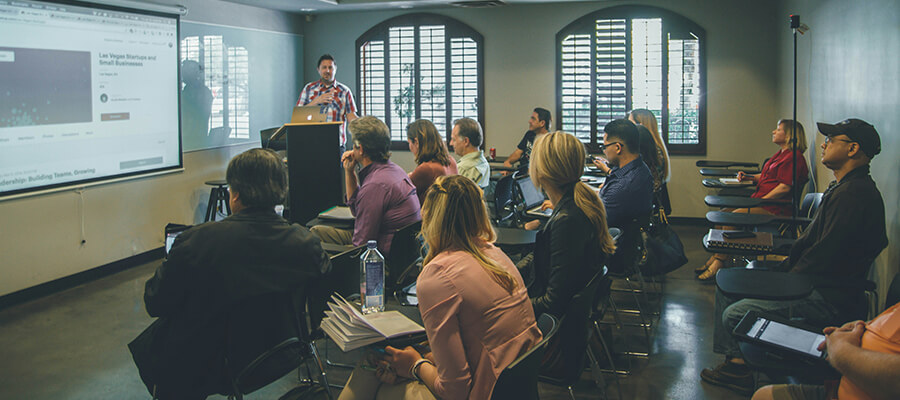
pixel 338 109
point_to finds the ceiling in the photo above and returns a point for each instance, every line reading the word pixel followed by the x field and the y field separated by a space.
pixel 330 6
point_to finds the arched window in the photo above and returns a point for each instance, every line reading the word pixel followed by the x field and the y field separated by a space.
pixel 421 66
pixel 627 57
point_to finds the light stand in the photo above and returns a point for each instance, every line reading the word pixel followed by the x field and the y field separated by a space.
pixel 795 26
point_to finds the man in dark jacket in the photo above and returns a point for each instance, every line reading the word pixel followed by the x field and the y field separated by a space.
pixel 216 268
pixel 840 244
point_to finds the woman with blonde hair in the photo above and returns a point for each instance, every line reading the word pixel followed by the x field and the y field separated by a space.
pixel 573 245
pixel 645 118
pixel 773 182
pixel 473 303
pixel 432 157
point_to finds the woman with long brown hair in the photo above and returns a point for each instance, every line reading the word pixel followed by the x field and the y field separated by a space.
pixel 473 303
pixel 432 157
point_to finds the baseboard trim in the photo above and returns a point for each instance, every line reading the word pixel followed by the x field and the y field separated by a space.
pixel 692 221
pixel 68 282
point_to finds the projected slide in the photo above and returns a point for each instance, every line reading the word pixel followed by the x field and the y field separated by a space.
pixel 45 87
pixel 85 94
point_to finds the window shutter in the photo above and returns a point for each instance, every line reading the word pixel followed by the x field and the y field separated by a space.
pixel 610 66
pixel 576 85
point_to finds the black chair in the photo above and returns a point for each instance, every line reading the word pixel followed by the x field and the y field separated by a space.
pixel 575 333
pixel 266 338
pixel 623 265
pixel 401 263
pixel 502 198
pixel 519 379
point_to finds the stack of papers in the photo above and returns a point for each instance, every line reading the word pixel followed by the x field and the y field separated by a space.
pixel 350 329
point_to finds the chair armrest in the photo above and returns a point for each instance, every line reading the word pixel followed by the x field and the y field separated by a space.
pixel 740 283
pixel 725 164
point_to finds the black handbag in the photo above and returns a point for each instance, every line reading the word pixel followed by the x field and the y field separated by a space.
pixel 663 250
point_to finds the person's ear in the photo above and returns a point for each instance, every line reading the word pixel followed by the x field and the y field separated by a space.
pixel 853 150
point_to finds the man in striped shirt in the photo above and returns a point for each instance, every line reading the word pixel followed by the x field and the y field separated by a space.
pixel 335 97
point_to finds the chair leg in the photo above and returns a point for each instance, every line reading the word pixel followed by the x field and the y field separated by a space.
pixel 323 379
pixel 335 364
pixel 211 206
pixel 571 393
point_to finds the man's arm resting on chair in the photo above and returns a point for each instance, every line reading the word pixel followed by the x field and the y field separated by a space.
pixel 876 373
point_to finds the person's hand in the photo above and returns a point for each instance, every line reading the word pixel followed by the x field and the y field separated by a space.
pixel 546 204
pixel 385 373
pixel 600 162
pixel 741 175
pixel 402 360
pixel 323 98
pixel 507 164
pixel 349 160
pixel 533 225
pixel 849 334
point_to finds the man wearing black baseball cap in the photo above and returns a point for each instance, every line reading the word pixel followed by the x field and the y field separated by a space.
pixel 839 246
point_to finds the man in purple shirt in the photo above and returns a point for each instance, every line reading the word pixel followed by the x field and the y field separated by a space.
pixel 380 195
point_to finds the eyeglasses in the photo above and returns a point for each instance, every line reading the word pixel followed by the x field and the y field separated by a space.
pixel 605 145
pixel 829 139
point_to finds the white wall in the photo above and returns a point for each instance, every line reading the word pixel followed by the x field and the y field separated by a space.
pixel 40 237
pixel 848 68
pixel 520 73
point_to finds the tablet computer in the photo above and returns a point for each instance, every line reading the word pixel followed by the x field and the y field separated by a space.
pixel 781 334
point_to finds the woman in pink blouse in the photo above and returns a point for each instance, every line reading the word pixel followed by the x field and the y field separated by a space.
pixel 476 311
pixel 432 157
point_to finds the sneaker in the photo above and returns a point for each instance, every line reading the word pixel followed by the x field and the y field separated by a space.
pixel 730 375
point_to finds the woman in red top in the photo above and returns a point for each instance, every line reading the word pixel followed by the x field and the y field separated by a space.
pixel 432 157
pixel 773 182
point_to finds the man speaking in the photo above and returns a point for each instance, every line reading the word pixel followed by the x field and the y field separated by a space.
pixel 334 97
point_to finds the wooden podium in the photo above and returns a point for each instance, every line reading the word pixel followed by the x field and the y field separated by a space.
pixel 315 174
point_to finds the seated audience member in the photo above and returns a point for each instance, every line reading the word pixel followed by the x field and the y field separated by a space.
pixel 773 182
pixel 213 267
pixel 466 139
pixel 473 303
pixel 574 243
pixel 645 118
pixel 866 354
pixel 538 124
pixel 840 244
pixel 432 157
pixel 628 190
pixel 649 154
pixel 380 195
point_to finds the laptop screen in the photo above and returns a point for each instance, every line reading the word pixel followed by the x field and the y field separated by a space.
pixel 530 194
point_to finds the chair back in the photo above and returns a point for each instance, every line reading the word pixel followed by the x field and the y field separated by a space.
pixel 519 379
pixel 566 358
pixel 405 251
pixel 503 196
pixel 266 338
pixel 810 204
pixel 629 246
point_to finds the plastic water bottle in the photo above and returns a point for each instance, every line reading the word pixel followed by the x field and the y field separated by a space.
pixel 371 279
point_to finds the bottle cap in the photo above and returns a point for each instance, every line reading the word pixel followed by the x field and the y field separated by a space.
pixel 371 244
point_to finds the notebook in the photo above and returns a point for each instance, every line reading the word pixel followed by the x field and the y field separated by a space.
pixel 762 241
pixel 350 329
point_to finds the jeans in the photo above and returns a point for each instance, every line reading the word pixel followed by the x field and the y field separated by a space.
pixel 730 311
